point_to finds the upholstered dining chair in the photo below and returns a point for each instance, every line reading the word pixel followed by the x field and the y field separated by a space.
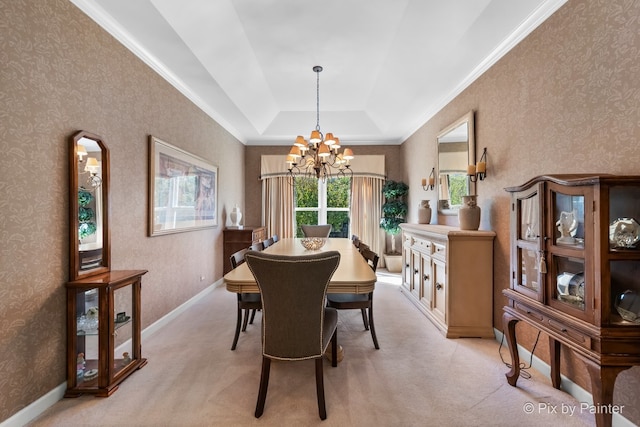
pixel 363 302
pixel 316 230
pixel 296 324
pixel 275 238
pixel 246 302
pixel 256 247
pixel 267 242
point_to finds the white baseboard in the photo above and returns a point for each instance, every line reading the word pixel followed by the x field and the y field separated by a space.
pixel 580 394
pixel 29 413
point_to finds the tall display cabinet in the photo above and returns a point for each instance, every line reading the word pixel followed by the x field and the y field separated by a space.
pixel 103 305
pixel 575 274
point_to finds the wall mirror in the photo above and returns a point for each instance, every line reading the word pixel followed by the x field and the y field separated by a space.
pixel 456 151
pixel 89 245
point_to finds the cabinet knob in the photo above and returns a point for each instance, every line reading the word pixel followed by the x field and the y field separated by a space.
pixel 439 286
pixel 426 277
pixel 415 271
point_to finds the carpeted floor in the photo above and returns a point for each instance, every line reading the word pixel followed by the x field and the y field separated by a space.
pixel 417 378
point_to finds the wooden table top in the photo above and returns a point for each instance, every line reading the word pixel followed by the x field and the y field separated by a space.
pixel 354 275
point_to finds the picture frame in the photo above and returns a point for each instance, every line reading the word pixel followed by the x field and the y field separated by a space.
pixel 183 190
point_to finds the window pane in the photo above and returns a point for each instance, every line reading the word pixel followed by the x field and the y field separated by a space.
pixel 339 221
pixel 338 192
pixel 306 193
pixel 305 217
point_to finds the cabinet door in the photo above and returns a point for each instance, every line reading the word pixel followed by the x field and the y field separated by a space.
pixel 124 314
pixel 407 273
pixel 570 275
pixel 86 338
pixel 527 255
pixel 426 290
pixel 416 268
pixel 439 289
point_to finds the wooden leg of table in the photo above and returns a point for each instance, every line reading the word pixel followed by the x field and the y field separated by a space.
pixel 554 349
pixel 603 379
pixel 509 325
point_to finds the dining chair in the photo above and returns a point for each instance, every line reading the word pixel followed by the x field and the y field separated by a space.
pixel 267 242
pixel 256 247
pixel 247 302
pixel 275 238
pixel 316 230
pixel 296 324
pixel 363 302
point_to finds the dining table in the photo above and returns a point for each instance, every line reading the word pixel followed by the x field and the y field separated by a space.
pixel 353 275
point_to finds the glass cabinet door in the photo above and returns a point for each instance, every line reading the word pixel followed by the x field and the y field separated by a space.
pixel 123 313
pixel 528 256
pixel 571 284
pixel 624 254
pixel 87 337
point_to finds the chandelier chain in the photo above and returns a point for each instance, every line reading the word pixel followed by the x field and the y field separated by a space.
pixel 317 70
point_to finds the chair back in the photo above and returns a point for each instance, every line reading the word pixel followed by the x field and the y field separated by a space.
pixel 371 257
pixel 237 258
pixel 275 238
pixel 293 290
pixel 267 242
pixel 316 230
pixel 256 247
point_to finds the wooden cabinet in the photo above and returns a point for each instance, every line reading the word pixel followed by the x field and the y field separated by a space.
pixel 103 332
pixel 448 275
pixel 236 238
pixel 574 253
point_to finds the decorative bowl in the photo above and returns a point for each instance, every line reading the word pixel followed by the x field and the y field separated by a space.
pixel 313 243
pixel 628 306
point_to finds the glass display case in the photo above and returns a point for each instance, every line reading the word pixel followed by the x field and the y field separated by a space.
pixel 103 324
pixel 575 273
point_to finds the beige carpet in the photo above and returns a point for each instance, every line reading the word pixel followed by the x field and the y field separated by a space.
pixel 417 378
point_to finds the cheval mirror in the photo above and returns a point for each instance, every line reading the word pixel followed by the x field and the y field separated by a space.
pixel 89 245
pixel 456 151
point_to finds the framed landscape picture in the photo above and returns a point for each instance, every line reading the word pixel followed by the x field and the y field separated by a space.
pixel 183 190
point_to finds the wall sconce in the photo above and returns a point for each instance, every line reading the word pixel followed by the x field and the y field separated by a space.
pixel 478 171
pixel 432 181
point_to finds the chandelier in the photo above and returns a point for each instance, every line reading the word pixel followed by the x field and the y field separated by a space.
pixel 320 157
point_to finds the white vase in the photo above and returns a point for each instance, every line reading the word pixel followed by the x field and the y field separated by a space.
pixel 469 213
pixel 424 212
pixel 235 216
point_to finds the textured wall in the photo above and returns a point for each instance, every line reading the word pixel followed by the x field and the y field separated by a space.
pixel 60 72
pixel 565 100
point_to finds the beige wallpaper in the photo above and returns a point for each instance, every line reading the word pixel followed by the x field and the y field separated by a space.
pixel 565 100
pixel 59 72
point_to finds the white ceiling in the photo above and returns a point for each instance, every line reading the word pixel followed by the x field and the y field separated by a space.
pixel 389 65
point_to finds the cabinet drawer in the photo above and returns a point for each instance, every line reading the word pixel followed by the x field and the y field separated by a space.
pixel 570 334
pixel 439 251
pixel 575 336
pixel 423 245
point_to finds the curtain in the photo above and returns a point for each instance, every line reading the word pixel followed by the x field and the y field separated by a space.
pixel 277 206
pixel 366 211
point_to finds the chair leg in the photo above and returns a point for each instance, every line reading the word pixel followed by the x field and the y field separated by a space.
pixel 253 315
pixel 364 319
pixel 238 323
pixel 372 327
pixel 264 384
pixel 334 348
pixel 246 320
pixel 322 410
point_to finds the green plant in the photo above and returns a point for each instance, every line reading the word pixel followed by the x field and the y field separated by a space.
pixel 84 197
pixel 394 210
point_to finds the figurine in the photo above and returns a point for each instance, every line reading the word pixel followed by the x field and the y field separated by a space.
pixel 567 226
pixel 126 359
pixel 80 364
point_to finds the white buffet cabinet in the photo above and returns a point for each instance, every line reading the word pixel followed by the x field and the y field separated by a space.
pixel 448 274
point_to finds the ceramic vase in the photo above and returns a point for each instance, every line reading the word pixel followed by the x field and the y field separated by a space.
pixel 235 216
pixel 469 213
pixel 424 212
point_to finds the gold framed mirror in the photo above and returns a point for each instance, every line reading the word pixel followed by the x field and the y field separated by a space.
pixel 456 151
pixel 89 244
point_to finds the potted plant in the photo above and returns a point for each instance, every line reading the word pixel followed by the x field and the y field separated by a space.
pixel 394 211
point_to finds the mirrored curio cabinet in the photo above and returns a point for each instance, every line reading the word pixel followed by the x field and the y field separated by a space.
pixel 103 305
pixel 575 274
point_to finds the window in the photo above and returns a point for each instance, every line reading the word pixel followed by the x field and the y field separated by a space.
pixel 318 202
